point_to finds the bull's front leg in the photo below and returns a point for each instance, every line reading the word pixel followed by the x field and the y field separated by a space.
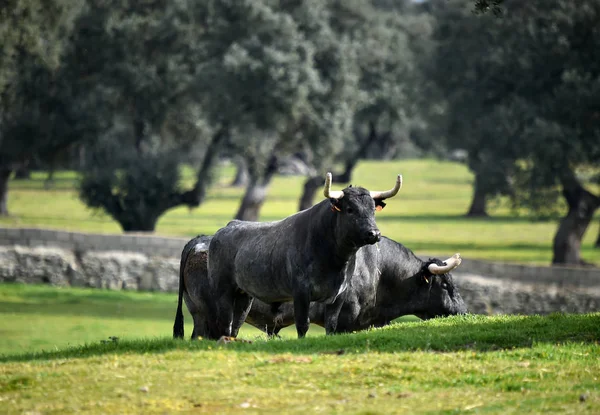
pixel 301 309
pixel 332 314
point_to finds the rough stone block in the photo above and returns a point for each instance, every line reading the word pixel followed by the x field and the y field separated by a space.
pixel 63 236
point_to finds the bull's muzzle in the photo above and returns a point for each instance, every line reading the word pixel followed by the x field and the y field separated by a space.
pixel 372 236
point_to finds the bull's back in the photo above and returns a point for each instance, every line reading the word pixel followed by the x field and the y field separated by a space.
pixel 255 255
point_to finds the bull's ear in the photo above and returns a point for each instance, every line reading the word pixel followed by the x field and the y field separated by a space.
pixel 335 205
pixel 379 204
pixel 426 276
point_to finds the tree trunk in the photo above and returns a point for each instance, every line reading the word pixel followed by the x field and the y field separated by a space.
pixel 312 184
pixel 23 171
pixel 138 133
pixel 4 177
pixel 139 222
pixel 241 174
pixel 81 157
pixel 597 244
pixel 582 205
pixel 256 192
pixel 252 202
pixel 194 197
pixel 49 182
pixel 479 202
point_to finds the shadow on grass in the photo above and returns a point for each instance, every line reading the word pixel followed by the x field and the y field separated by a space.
pixel 459 333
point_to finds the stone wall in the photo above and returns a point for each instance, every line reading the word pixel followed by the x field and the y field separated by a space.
pixel 146 262
pixel 84 242
pixel 488 295
pixel 113 270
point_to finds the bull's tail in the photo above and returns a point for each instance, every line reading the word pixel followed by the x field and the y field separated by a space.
pixel 178 330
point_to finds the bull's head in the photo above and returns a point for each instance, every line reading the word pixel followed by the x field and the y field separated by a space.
pixel 355 209
pixel 438 294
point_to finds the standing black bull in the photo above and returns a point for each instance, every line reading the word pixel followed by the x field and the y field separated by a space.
pixel 388 281
pixel 303 258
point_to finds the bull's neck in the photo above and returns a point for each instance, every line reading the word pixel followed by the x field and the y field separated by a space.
pixel 400 271
pixel 325 235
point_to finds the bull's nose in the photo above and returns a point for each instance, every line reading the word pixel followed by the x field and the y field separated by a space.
pixel 373 236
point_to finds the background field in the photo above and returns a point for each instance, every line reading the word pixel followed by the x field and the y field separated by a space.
pixel 427 215
pixel 467 364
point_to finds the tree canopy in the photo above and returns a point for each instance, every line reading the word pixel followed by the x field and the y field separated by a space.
pixel 505 82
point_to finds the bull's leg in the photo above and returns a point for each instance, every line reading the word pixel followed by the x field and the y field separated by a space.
pixel 200 326
pixel 241 308
pixel 219 314
pixel 332 313
pixel 224 316
pixel 301 308
pixel 273 331
pixel 197 309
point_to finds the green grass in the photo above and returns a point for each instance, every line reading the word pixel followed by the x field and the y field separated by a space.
pixel 465 364
pixel 427 215
pixel 34 318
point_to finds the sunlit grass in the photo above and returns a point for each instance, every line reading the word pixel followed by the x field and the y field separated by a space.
pixel 427 215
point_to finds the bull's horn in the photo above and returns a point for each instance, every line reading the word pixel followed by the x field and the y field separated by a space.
pixel 388 193
pixel 451 263
pixel 332 194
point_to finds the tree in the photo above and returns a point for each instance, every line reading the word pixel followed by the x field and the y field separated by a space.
pixel 33 36
pixel 378 97
pixel 479 113
pixel 268 78
pixel 135 68
pixel 531 77
pixel 562 83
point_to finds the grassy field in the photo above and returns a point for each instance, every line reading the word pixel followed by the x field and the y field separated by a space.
pixel 34 318
pixel 427 215
pixel 467 364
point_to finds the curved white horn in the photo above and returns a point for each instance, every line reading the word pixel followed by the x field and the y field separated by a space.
pixel 332 194
pixel 388 193
pixel 451 263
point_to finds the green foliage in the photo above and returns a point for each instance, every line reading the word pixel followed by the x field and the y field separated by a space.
pixel 260 72
pixel 133 190
pixel 495 364
pixel 33 112
pixel 484 6
pixel 507 81
pixel 34 29
pixel 134 72
pixel 480 114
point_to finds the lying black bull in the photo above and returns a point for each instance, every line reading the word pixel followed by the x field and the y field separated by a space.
pixel 389 281
pixel 303 258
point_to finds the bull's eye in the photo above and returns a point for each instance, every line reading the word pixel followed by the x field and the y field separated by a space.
pixel 445 285
pixel 349 210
